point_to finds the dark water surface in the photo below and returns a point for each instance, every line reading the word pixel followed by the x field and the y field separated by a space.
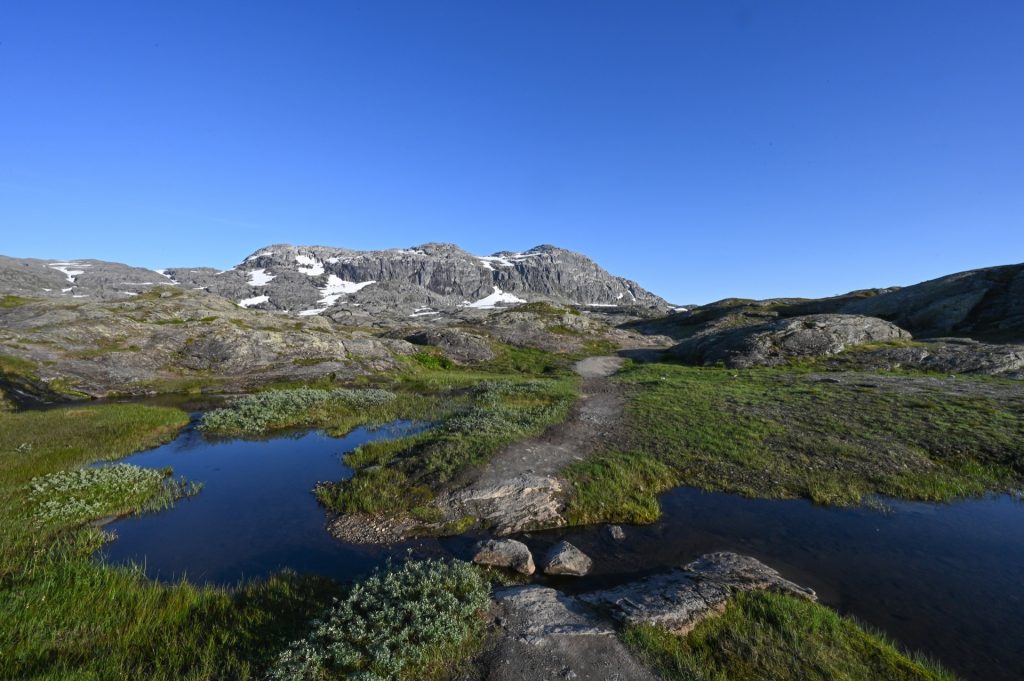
pixel 947 580
pixel 256 513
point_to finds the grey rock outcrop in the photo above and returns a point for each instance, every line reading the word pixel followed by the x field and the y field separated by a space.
pixel 413 282
pixel 172 337
pixel 510 505
pixel 459 346
pixel 985 304
pixel 681 599
pixel 76 279
pixel 776 342
pixel 565 559
pixel 542 634
pixel 945 355
pixel 505 553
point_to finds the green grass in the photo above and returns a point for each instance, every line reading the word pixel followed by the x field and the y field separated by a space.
pixel 764 636
pixel 62 615
pixel 403 475
pixel 9 302
pixel 782 433
pixel 419 621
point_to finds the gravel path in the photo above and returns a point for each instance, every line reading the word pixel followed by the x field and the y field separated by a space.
pixel 520 487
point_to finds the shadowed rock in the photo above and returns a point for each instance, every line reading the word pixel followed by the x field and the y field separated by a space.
pixel 505 553
pixel 778 341
pixel 459 346
pixel 681 599
pixel 543 634
pixel 565 559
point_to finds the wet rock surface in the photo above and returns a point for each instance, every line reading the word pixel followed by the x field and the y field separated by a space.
pixel 505 553
pixel 681 599
pixel 565 559
pixel 543 634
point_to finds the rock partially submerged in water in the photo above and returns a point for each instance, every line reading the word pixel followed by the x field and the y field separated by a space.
pixel 565 559
pixel 616 532
pixel 681 599
pixel 544 634
pixel 505 553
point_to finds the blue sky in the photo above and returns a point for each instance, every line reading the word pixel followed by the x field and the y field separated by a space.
pixel 704 149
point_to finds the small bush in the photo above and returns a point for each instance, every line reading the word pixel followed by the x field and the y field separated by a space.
pixel 75 496
pixel 404 623
pixel 283 408
pixel 432 360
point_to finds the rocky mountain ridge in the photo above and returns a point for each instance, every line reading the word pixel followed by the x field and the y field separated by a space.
pixel 419 282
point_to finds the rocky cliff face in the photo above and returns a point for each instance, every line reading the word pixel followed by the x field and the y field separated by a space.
pixel 406 283
pixel 75 279
pixel 420 281
pixel 985 304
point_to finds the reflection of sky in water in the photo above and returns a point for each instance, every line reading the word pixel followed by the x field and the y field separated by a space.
pixel 255 514
pixel 944 579
pixel 947 579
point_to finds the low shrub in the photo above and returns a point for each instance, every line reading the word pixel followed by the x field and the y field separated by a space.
pixel 265 411
pixel 75 496
pixel 412 622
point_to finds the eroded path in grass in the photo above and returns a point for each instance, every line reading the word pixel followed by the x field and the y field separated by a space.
pixel 520 487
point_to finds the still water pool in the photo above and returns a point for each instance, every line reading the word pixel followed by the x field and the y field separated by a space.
pixel 944 579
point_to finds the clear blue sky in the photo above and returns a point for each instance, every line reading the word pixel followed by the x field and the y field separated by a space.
pixel 704 149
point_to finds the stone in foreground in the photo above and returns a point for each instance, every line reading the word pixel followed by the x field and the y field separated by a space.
pixel 542 634
pixel 681 599
pixel 506 553
pixel 565 559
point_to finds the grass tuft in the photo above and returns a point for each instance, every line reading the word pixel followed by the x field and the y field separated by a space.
pixel 763 635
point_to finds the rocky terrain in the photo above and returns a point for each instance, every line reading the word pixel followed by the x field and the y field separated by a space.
pixel 546 634
pixel 971 322
pixel 293 312
pixel 169 339
pixel 95 328
pixel 417 282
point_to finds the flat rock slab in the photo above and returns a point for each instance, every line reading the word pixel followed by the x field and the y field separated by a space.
pixel 519 503
pixel 546 635
pixel 681 599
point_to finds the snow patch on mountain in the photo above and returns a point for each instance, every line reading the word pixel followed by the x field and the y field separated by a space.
pixel 312 266
pixel 65 268
pixel 491 301
pixel 256 300
pixel 337 287
pixel 260 277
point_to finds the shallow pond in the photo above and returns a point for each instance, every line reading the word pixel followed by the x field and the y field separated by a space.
pixel 256 513
pixel 947 580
